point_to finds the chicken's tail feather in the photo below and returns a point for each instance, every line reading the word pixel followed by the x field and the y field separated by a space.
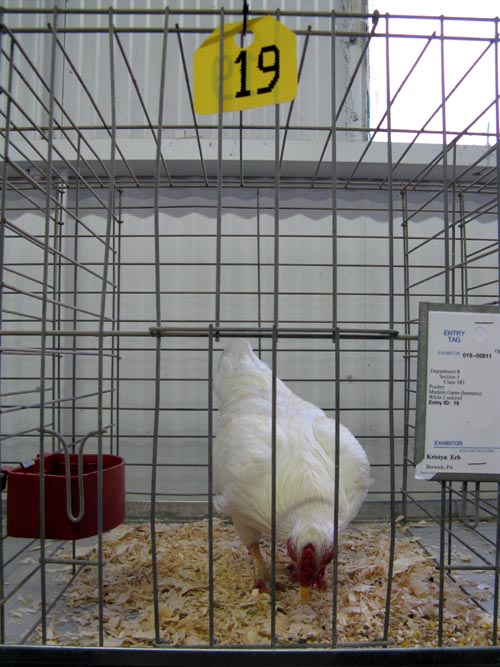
pixel 237 347
pixel 238 350
pixel 238 355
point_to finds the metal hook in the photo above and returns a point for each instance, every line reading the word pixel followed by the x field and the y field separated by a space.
pixel 81 491
pixel 245 16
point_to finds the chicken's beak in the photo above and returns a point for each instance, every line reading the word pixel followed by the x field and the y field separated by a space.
pixel 304 593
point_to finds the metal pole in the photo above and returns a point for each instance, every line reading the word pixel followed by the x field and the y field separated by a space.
pixel 220 125
pixel 446 216
pixel 211 622
pixel 276 288
pixel 392 460
pixel 497 145
pixel 43 331
pixel 333 103
pixel 3 205
pixel 408 351
pixel 442 552
pixel 101 324
pixel 158 350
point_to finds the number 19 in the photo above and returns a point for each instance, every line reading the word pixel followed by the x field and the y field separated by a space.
pixel 273 67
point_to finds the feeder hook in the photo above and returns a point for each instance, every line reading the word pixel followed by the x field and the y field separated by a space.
pixel 81 490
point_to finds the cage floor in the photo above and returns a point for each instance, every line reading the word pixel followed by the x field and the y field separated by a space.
pixel 470 548
pixel 242 616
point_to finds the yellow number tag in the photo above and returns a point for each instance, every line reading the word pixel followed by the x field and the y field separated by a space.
pixel 263 73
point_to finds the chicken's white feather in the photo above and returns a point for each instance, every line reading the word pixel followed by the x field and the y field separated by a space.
pixel 305 457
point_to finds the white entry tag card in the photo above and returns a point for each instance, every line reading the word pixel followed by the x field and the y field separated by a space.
pixel 458 393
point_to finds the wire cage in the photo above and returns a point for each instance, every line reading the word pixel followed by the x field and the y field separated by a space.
pixel 138 237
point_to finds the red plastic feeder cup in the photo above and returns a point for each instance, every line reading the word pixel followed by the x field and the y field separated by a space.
pixel 66 520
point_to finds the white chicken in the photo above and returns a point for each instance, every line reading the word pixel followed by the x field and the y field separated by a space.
pixel 305 467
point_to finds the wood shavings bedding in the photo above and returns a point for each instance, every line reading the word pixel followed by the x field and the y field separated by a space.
pixel 242 616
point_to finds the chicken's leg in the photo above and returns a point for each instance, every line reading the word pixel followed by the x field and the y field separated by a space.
pixel 262 582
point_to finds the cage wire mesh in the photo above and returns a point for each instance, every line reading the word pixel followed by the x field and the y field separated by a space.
pixel 138 238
